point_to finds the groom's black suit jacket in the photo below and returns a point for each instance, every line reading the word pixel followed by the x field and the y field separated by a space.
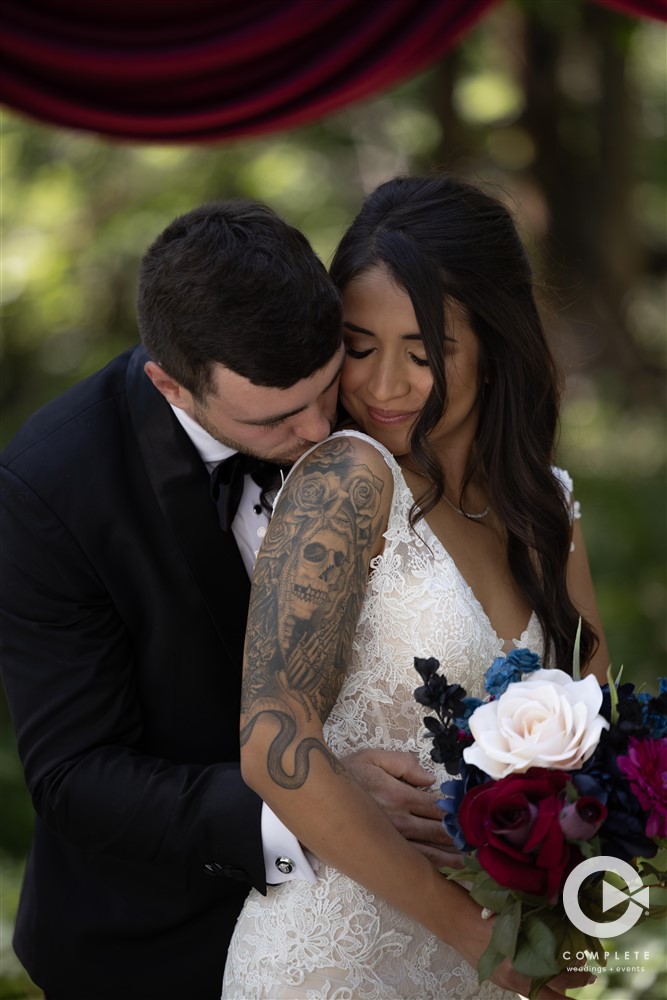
pixel 124 614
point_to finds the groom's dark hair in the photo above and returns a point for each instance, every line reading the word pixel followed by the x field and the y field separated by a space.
pixel 231 282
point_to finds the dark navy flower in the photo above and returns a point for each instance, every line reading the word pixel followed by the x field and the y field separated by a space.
pixel 470 704
pixel 630 719
pixel 506 670
pixel 435 692
pixel 426 668
pixel 654 710
pixel 622 835
pixel 449 731
pixel 625 692
pixel 446 748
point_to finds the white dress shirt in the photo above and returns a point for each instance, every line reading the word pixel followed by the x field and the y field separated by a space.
pixel 249 527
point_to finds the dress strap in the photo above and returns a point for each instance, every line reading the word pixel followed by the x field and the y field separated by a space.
pixel 386 454
pixel 564 479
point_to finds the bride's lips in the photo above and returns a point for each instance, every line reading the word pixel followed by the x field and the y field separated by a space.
pixel 390 417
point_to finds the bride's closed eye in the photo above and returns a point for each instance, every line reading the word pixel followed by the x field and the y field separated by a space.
pixel 357 354
pixel 352 353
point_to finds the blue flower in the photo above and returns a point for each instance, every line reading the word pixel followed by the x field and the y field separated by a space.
pixel 524 660
pixel 454 792
pixel 506 670
pixel 654 710
pixel 453 797
pixel 470 704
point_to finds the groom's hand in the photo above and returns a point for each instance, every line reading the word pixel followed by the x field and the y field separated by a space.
pixel 403 790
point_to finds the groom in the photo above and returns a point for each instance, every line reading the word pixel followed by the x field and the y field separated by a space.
pixel 125 594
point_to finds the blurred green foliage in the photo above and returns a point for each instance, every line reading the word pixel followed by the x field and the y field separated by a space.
pixel 559 107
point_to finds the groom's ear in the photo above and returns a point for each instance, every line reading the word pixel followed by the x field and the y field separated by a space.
pixel 172 390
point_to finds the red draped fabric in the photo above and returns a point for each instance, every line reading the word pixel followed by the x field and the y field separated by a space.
pixel 203 70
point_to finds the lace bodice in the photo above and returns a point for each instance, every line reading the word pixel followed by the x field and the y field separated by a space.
pixel 334 940
pixel 417 604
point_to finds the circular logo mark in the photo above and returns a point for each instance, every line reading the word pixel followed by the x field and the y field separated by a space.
pixel 611 896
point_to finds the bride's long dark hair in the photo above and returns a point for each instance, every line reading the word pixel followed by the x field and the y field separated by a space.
pixel 443 239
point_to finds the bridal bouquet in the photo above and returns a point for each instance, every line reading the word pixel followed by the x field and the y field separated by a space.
pixel 552 770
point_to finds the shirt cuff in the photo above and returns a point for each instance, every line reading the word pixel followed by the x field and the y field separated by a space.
pixel 281 848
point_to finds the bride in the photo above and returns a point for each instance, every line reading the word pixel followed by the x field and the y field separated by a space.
pixel 439 528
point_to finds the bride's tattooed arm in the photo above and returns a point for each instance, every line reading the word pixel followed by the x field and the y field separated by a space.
pixel 308 588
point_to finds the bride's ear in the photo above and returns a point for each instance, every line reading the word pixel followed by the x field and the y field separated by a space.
pixel 172 390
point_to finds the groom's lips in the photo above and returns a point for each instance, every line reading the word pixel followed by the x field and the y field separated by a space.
pixel 388 418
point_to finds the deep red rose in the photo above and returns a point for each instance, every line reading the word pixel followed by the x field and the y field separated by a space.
pixel 514 824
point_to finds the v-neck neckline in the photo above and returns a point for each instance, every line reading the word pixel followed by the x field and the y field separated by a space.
pixel 514 642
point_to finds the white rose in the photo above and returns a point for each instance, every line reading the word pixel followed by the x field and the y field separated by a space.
pixel 547 720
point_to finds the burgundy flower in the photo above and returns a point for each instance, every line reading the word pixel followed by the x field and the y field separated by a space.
pixel 514 823
pixel 581 820
pixel 645 767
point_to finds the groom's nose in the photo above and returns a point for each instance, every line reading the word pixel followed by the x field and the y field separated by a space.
pixel 313 424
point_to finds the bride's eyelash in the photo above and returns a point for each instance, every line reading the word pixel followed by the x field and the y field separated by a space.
pixel 352 353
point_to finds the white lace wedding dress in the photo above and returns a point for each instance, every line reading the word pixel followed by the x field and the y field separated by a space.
pixel 334 940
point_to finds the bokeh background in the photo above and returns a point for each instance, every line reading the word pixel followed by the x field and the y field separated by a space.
pixel 558 107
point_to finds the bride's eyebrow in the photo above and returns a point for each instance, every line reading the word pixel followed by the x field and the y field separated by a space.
pixel 369 333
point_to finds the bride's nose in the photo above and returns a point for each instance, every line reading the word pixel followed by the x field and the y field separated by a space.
pixel 387 381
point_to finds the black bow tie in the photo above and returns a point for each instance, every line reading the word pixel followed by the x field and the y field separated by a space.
pixel 227 483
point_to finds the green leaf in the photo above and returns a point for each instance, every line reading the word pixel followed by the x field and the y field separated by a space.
pixel 613 695
pixel 470 870
pixel 657 896
pixel 506 928
pixel 536 952
pixel 570 941
pixel 595 948
pixel 488 963
pixel 465 874
pixel 645 869
pixel 488 893
pixel 589 848
pixel 576 655
pixel 656 866
pixel 571 793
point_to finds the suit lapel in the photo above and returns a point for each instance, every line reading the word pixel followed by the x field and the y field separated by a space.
pixel 180 482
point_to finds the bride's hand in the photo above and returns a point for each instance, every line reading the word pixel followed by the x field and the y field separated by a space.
pixel 402 789
pixel 508 978
pixel 475 936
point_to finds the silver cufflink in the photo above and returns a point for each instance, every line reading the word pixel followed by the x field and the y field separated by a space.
pixel 285 865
